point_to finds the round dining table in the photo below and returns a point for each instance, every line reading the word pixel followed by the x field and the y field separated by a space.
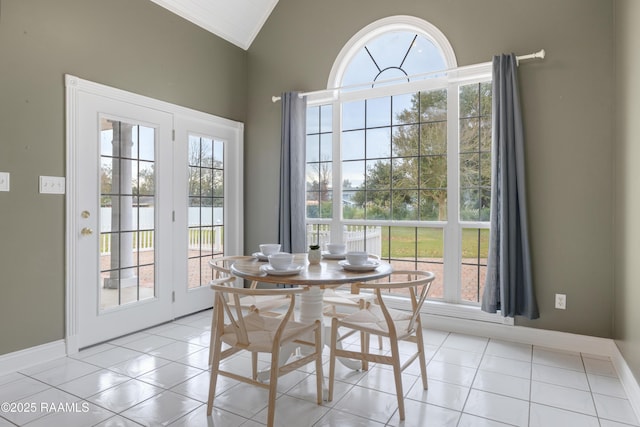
pixel 330 272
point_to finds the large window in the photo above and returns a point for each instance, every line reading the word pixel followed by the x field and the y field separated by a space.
pixel 399 159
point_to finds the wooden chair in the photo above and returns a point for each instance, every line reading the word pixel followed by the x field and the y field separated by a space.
pixel 261 303
pixel 256 333
pixel 347 297
pixel 396 325
pixel 264 304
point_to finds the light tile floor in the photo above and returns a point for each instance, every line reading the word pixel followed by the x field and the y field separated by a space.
pixel 159 377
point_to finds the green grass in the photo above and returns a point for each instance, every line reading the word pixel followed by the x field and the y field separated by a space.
pixel 430 242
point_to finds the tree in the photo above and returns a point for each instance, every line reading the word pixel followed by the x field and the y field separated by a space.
pixel 413 184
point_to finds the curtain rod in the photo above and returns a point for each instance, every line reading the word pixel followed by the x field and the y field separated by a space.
pixel 536 55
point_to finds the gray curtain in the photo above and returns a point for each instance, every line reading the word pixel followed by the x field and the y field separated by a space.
pixel 508 286
pixel 291 230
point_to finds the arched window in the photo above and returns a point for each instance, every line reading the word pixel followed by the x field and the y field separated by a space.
pixel 390 51
pixel 399 156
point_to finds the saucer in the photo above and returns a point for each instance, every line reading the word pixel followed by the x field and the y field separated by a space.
pixel 367 266
pixel 293 269
pixel 328 255
pixel 260 256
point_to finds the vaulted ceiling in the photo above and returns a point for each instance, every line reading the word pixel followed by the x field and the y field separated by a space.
pixel 237 21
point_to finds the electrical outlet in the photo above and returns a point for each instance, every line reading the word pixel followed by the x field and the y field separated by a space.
pixel 561 301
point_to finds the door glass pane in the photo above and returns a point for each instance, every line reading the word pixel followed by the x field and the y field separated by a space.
pixel 206 207
pixel 127 213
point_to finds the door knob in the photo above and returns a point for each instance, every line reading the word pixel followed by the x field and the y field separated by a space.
pixel 86 231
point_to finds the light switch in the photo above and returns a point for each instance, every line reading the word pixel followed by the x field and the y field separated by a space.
pixel 52 184
pixel 4 181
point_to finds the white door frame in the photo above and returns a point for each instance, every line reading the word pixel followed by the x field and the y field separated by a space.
pixel 75 86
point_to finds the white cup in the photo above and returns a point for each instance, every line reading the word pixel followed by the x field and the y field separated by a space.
pixel 357 257
pixel 336 248
pixel 280 260
pixel 269 248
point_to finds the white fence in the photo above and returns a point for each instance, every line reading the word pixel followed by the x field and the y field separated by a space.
pixel 206 239
pixel 354 236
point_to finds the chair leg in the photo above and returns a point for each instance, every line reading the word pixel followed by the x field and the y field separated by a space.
pixel 364 349
pixel 213 336
pixel 421 358
pixel 254 365
pixel 397 373
pixel 332 358
pixel 319 375
pixel 273 386
pixel 217 350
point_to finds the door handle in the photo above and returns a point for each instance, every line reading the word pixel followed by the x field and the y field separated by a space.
pixel 86 231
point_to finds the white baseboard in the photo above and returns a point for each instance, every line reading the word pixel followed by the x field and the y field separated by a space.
pixel 28 357
pixel 545 338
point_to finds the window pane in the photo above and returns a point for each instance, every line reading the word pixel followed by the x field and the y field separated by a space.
pixel 353 204
pixel 353 115
pixel 406 141
pixel 423 57
pixel 313 148
pixel 405 110
pixel 469 135
pixel 405 205
pixel 433 138
pixel 405 173
pixel 313 204
pixel 326 147
pixel 433 172
pixel 475 244
pixel 378 112
pixel 378 143
pixel 433 105
pixel 378 175
pixel 433 205
pixel 378 205
pixel 326 118
pixel 352 174
pixel 353 145
pixel 313 120
pixel 469 101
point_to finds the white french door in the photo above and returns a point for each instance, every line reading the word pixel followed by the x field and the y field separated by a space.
pixel 153 193
pixel 208 188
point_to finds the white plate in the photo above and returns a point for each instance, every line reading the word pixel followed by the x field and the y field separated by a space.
pixel 327 255
pixel 367 266
pixel 294 269
pixel 260 256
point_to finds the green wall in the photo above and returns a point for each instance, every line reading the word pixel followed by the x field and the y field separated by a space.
pixel 627 177
pixel 132 45
pixel 567 101
pixel 137 46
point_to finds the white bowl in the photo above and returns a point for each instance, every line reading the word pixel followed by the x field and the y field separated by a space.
pixel 357 257
pixel 336 248
pixel 269 248
pixel 280 260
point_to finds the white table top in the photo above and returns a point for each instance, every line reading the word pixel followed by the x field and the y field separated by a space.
pixel 327 272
